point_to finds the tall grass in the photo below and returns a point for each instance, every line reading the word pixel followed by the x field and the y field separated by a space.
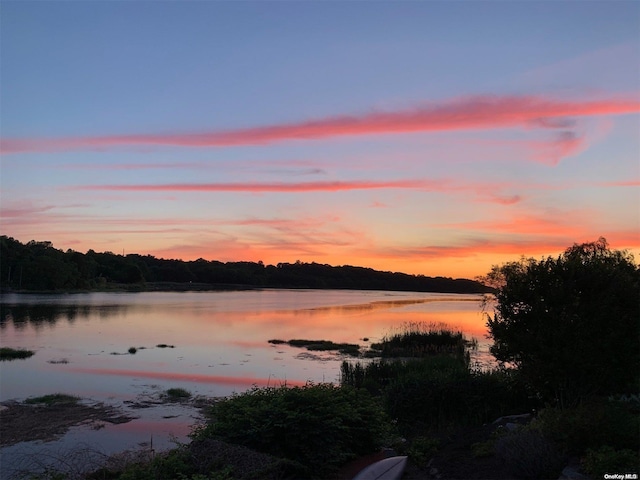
pixel 425 380
pixel 420 339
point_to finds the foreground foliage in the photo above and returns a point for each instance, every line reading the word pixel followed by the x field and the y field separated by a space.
pixel 321 426
pixel 570 324
pixel 437 392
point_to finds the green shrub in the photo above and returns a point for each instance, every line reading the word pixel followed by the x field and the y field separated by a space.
pixel 608 460
pixel 483 449
pixel 527 454
pixel 591 425
pixel 422 449
pixel 319 425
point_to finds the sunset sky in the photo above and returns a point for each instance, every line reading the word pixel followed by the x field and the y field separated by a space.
pixel 435 138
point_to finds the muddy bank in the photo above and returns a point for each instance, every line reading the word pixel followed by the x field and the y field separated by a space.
pixel 23 422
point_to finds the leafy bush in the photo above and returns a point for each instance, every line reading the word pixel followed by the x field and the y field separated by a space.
pixel 319 425
pixel 527 454
pixel 608 460
pixel 590 426
pixel 422 449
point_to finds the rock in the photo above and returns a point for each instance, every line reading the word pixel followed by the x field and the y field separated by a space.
pixel 571 472
pixel 520 419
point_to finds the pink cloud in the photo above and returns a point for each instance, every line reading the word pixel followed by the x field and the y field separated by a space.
pixel 565 144
pixel 486 192
pixel 480 112
pixel 624 183
pixel 329 186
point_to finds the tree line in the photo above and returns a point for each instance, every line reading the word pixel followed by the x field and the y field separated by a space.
pixel 38 266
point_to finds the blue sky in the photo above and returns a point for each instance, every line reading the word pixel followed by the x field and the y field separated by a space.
pixel 101 103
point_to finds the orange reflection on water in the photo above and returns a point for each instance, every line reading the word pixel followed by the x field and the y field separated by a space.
pixel 185 377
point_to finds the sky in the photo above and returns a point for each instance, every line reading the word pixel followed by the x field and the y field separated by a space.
pixel 426 137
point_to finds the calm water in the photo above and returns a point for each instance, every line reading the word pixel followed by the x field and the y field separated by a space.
pixel 221 346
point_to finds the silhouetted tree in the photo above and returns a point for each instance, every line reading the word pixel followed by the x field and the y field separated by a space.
pixel 571 324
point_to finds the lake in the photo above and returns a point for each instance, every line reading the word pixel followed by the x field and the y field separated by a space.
pixel 217 344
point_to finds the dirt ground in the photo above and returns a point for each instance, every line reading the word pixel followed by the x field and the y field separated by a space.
pixel 23 422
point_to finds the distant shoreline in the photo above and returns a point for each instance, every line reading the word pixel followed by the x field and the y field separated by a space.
pixel 203 287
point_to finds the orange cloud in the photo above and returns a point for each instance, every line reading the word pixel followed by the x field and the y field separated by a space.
pixel 480 112
pixel 528 225
pixel 511 248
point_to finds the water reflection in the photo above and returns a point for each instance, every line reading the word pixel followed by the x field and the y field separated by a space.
pixel 244 382
pixel 220 338
pixel 38 315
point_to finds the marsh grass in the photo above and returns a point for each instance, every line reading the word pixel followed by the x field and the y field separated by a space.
pixel 7 353
pixel 52 399
pixel 321 345
pixel 420 339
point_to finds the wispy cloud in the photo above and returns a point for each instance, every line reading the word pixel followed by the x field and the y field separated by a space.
pixel 479 112
pixel 493 193
pixel 541 245
pixel 622 183
pixel 327 186
pixel 532 225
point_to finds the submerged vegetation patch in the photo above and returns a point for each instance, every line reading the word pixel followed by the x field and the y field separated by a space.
pixel 51 399
pixel 178 393
pixel 7 353
pixel 59 361
pixel 321 345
